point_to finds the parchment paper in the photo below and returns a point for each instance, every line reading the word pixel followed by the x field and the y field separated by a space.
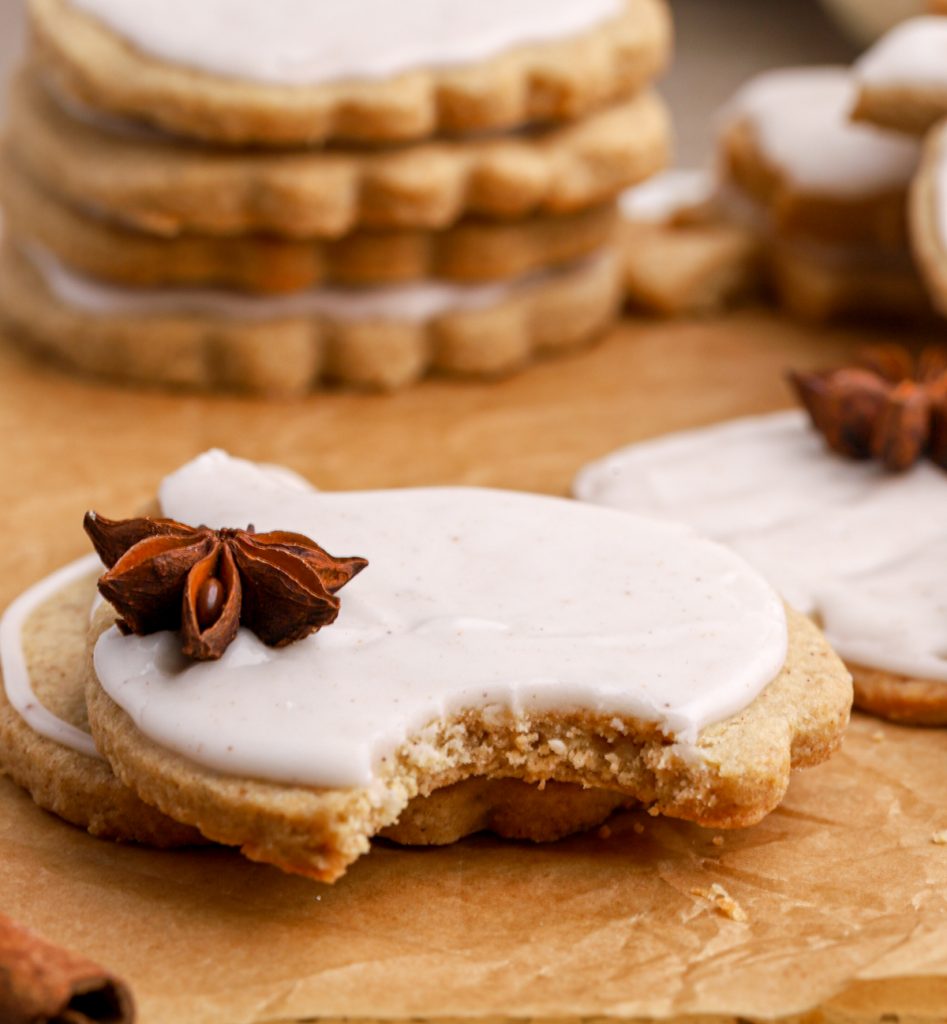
pixel 842 887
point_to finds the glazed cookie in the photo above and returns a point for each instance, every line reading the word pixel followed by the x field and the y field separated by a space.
pixel 859 551
pixel 289 73
pixel 902 79
pixel 46 747
pixel 383 338
pixel 166 187
pixel 929 217
pixel 641 660
pixel 472 251
pixel 45 744
pixel 680 256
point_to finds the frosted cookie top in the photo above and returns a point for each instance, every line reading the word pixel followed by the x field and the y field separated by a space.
pixel 659 199
pixel 860 549
pixel 913 53
pixel 473 598
pixel 308 42
pixel 800 120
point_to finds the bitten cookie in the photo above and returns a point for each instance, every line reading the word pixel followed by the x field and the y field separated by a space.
pixel 902 79
pixel 641 660
pixel 828 197
pixel 367 70
pixel 166 187
pixel 859 551
pixel 45 744
pixel 381 339
pixel 680 255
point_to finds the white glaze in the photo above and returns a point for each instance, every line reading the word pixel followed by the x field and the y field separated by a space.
pixel 472 598
pixel 16 676
pixel 913 54
pixel 308 42
pixel 861 549
pixel 413 303
pixel 662 197
pixel 800 120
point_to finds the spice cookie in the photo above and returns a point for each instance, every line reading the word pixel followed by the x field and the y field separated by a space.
pixel 472 251
pixel 45 744
pixel 828 197
pixel 166 187
pixel 372 71
pixel 902 79
pixel 859 551
pixel 929 217
pixel 679 255
pixel 382 338
pixel 640 660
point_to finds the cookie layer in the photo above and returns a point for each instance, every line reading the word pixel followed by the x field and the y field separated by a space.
pixel 500 698
pixel 856 548
pixel 929 217
pixel 902 79
pixel 165 187
pixel 76 785
pixel 602 59
pixel 286 352
pixel 789 145
pixel 473 251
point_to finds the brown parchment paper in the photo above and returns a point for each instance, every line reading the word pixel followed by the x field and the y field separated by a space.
pixel 843 888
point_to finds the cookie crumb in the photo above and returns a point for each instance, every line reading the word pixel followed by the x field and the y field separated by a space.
pixel 637 828
pixel 877 736
pixel 723 902
pixel 604 832
pixel 940 838
pixel 717 840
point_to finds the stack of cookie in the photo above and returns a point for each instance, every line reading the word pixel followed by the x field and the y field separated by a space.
pixel 267 197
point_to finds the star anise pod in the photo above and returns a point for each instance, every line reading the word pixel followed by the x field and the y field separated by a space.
pixel 207 583
pixel 889 406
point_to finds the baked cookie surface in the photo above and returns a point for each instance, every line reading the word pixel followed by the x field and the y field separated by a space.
pixel 472 251
pixel 165 187
pixel 51 753
pixel 373 72
pixel 379 339
pixel 929 216
pixel 365 740
pixel 857 549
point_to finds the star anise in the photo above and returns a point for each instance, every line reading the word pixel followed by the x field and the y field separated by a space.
pixel 889 406
pixel 207 583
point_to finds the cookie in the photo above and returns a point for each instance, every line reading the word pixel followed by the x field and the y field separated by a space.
pixel 473 251
pixel 166 187
pixel 929 218
pixel 679 256
pixel 45 744
pixel 788 148
pixel 306 74
pixel 372 338
pixel 462 651
pixel 857 550
pixel 817 283
pixel 901 80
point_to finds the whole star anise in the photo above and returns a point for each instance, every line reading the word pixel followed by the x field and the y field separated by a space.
pixel 889 406
pixel 207 583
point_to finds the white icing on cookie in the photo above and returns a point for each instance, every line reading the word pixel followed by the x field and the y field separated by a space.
pixel 913 53
pixel 308 42
pixel 472 598
pixel 662 197
pixel 16 676
pixel 412 303
pixel 861 549
pixel 800 120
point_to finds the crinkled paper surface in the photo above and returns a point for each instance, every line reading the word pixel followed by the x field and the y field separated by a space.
pixel 843 889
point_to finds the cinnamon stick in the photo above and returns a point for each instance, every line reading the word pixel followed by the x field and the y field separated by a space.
pixel 43 984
